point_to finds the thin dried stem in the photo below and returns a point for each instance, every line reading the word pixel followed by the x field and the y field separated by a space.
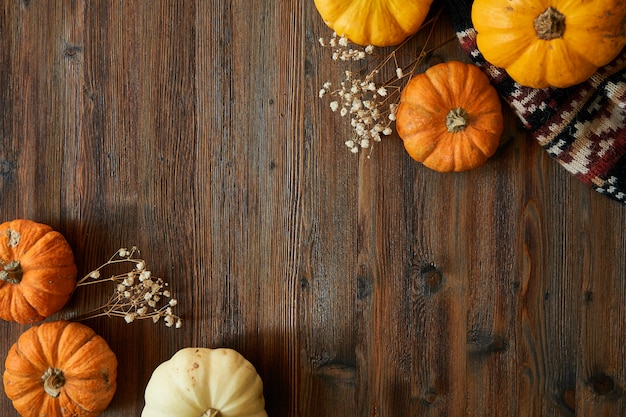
pixel 137 294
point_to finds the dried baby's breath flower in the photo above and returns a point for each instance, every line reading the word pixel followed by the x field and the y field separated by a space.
pixel 130 317
pixel 367 100
pixel 137 293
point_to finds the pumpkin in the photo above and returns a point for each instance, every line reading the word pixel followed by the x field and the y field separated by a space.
pixel 374 22
pixel 542 43
pixel 60 368
pixel 449 117
pixel 203 382
pixel 37 271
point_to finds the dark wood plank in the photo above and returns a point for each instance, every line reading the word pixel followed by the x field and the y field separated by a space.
pixel 249 190
pixel 328 255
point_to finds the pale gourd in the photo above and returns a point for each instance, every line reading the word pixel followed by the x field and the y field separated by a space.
pixel 203 382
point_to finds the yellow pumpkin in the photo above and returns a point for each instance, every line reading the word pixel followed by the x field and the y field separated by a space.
pixel 374 22
pixel 542 43
pixel 449 117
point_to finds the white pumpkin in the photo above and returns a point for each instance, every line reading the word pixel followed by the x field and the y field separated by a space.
pixel 203 382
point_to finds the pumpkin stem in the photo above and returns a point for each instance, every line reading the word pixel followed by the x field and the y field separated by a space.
pixel 457 120
pixel 13 237
pixel 550 24
pixel 211 412
pixel 11 272
pixel 53 380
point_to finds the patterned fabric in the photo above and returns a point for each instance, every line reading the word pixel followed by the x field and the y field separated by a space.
pixel 582 127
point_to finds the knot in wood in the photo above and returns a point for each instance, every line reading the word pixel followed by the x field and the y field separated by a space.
pixel 602 384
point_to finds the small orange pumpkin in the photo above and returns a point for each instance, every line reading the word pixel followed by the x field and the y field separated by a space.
pixel 37 271
pixel 60 369
pixel 450 117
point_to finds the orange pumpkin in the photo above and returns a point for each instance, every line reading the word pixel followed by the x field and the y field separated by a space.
pixel 374 22
pixel 37 271
pixel 450 117
pixel 60 369
pixel 542 43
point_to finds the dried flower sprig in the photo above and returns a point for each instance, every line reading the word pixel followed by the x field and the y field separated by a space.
pixel 137 294
pixel 369 102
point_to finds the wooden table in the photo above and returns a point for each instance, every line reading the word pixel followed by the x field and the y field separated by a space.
pixel 357 286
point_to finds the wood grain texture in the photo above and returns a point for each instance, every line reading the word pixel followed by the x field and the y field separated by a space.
pixel 358 286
